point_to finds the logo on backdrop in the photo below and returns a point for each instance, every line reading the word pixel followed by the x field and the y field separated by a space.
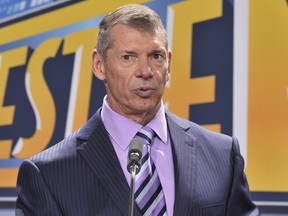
pixel 47 88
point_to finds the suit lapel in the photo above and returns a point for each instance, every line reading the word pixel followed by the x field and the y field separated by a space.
pixel 99 154
pixel 184 158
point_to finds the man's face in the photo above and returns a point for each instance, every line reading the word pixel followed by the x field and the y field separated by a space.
pixel 135 71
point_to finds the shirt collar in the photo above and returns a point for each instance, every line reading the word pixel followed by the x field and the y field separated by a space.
pixel 123 130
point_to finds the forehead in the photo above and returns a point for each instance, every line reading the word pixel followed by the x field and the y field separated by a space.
pixel 124 35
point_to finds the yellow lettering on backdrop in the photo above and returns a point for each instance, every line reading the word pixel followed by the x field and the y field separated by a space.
pixel 49 21
pixel 41 100
pixel 8 177
pixel 80 43
pixel 5 149
pixel 8 59
pixel 74 13
pixel 267 167
pixel 184 91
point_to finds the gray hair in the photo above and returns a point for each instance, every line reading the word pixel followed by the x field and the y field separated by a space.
pixel 137 16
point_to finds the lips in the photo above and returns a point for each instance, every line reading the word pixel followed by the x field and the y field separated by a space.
pixel 144 92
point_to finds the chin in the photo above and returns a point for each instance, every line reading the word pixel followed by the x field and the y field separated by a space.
pixel 148 108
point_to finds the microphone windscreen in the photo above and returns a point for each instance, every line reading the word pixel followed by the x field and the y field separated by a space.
pixel 135 154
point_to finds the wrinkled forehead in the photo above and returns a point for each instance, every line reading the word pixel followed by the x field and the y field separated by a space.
pixel 119 31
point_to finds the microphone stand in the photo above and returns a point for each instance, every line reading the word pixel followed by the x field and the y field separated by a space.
pixel 133 167
pixel 132 185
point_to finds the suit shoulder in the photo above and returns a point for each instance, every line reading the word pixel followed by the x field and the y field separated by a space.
pixel 67 148
pixel 203 135
pixel 59 151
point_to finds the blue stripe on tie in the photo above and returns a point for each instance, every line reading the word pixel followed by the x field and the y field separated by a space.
pixel 149 194
pixel 151 200
pixel 144 137
pixel 145 182
pixel 163 211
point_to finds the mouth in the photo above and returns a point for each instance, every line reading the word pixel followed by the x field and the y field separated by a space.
pixel 144 92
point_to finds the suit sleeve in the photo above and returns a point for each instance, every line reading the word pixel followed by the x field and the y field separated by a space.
pixel 34 196
pixel 239 201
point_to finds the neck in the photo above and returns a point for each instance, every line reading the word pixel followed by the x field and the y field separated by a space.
pixel 142 119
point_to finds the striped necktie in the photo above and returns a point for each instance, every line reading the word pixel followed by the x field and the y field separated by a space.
pixel 148 190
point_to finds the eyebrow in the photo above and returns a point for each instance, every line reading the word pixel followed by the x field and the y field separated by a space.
pixel 152 52
pixel 129 52
pixel 158 51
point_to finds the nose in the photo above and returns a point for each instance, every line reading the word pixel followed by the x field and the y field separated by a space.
pixel 144 70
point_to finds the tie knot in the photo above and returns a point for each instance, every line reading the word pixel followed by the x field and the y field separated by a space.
pixel 146 134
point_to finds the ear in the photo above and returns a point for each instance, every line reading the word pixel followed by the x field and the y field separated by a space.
pixel 97 65
pixel 169 65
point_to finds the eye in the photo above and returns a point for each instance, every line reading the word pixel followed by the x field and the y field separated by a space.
pixel 157 57
pixel 126 57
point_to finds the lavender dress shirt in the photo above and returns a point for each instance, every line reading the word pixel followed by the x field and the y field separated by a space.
pixel 122 130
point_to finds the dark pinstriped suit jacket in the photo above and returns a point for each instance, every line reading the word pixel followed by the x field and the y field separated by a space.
pixel 82 176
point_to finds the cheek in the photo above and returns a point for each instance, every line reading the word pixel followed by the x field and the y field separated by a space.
pixel 118 84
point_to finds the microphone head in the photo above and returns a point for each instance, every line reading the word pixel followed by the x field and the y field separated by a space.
pixel 135 155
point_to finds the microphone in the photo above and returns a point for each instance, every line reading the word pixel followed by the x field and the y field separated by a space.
pixel 135 155
pixel 134 166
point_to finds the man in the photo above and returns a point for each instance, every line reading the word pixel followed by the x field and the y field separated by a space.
pixel 200 172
